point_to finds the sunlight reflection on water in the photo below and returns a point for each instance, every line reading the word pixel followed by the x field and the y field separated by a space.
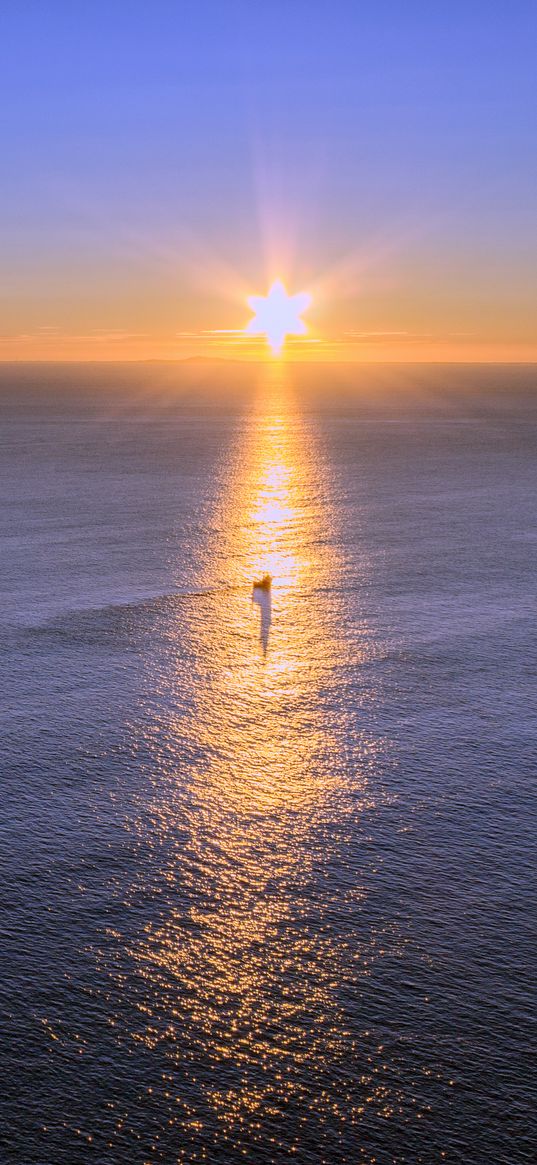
pixel 240 975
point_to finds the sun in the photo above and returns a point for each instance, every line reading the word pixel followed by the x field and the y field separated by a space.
pixel 277 315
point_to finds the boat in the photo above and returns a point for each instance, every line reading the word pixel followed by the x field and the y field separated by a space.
pixel 263 584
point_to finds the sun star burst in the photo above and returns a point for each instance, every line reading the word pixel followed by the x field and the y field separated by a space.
pixel 277 315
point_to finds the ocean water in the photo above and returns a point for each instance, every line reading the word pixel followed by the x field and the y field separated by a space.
pixel 268 867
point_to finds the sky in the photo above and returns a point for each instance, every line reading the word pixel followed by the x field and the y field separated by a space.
pixel 162 162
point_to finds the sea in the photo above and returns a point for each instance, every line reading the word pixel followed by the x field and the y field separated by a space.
pixel 268 860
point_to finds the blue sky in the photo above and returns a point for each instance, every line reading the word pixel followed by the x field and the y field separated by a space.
pixel 148 149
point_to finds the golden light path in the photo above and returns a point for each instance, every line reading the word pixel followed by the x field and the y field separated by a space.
pixel 250 793
pixel 277 315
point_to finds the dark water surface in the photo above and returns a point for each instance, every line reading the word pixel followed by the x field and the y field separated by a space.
pixel 268 872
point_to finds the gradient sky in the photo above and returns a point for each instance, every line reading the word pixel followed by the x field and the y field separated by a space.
pixel 162 161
